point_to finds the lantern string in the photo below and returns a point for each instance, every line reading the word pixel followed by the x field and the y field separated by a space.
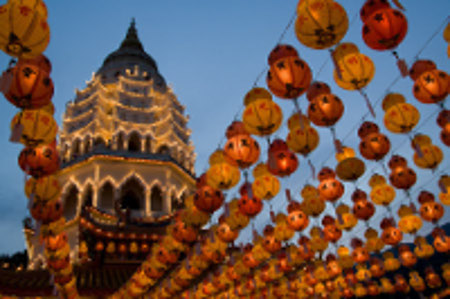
pixel 438 30
pixel 289 24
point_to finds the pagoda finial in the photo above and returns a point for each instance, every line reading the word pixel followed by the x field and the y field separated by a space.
pixel 132 40
pixel 133 22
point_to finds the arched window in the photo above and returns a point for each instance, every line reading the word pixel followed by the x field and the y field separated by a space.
pixel 106 197
pixel 134 142
pixel 99 142
pixel 76 148
pixel 87 197
pixel 156 199
pixel 120 141
pixel 148 144
pixel 164 150
pixel 70 202
pixel 132 195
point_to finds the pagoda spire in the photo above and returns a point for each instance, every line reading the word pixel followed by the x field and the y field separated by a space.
pixel 131 39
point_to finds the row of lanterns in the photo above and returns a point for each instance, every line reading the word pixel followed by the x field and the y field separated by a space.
pixel 28 86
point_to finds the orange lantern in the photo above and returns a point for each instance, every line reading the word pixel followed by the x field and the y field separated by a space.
pixel 349 167
pixel 317 88
pixel 270 243
pixel 242 150
pixel 47 211
pixel 39 161
pixel 362 208
pixel 346 220
pixel 373 145
pixel 431 87
pixel 401 177
pixel 43 189
pixel 430 210
pixel 384 29
pixel 208 199
pixel 330 231
pixel 359 254
pixel 281 162
pixel 24 30
pixel 419 67
pixel 281 51
pixel 296 219
pixel 406 256
pixel 441 241
pixel 248 204
pixel 391 235
pixel 224 231
pixel 443 121
pixel 265 185
pixel 330 188
pixel 302 138
pixel 382 193
pixel 221 174
pixel 325 110
pixel 399 117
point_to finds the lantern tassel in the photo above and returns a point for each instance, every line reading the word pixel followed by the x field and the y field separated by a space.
pixel 313 169
pixel 335 62
pixel 369 105
pixel 288 195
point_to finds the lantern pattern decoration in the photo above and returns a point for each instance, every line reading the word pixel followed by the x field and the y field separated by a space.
pixel 330 231
pixel 313 204
pixel 346 220
pixel 240 149
pixel 443 121
pixel 330 189
pixel 31 86
pixel 281 161
pixel 261 115
pixel 416 282
pixel 431 87
pixel 33 127
pixel 266 185
pixel 288 77
pixel 374 145
pixel 39 161
pixel 349 167
pixel 382 193
pixel 391 264
pixel 441 242
pixel 384 28
pixel 423 249
pixel 270 243
pixel 406 256
pixel 430 210
pixel 297 219
pixel 426 155
pixel 221 174
pixel 391 235
pixel 302 138
pixel 320 24
pixel 373 242
pixel 401 176
pixel 400 117
pixel 24 29
pixel 359 254
pixel 362 208
pixel 409 222
pixel 444 185
pixel 249 204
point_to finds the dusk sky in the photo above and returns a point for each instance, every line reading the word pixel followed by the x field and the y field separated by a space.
pixel 211 53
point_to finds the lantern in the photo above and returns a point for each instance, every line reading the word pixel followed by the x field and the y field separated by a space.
pixel 312 204
pixel 250 205
pixel 431 87
pixel 359 254
pixel 443 120
pixel 391 235
pixel 47 211
pixel 384 29
pixel 373 242
pixel 281 162
pixel 381 193
pixel 33 127
pixel 24 30
pixel 399 117
pixel 317 88
pixel 330 188
pixel 225 233
pixel 362 208
pixel 346 220
pixel 261 116
pixel 235 128
pixel 43 189
pixel 371 6
pixel 281 51
pixel 432 278
pixel 31 87
pixel 289 77
pixel 208 199
pixel 430 210
pixel 242 150
pixel 330 231
pixel 321 24
pixel 376 267
pixel 265 185
pixel 345 258
pixel 441 241
pixel 325 110
pixel 426 155
pixel 401 285
pixel 406 256
pixel 423 250
pixel 183 233
pixel 270 243
pixel 349 167
pixel 373 145
pixel 318 243
pixel 221 174
pixel 39 161
pixel 417 282
pixel 296 219
pixel 444 184
pixel 401 177
pixel 419 67
pixel 390 262
pixel 302 138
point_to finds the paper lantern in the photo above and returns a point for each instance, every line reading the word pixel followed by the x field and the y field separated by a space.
pixel 373 145
pixel 384 29
pixel 362 208
pixel 349 167
pixel 265 185
pixel 417 282
pixel 43 189
pixel 381 193
pixel 296 219
pixel 391 235
pixel 24 30
pixel 423 250
pixel 281 161
pixel 373 242
pixel 426 155
pixel 330 231
pixel 208 199
pixel 225 233
pixel 359 254
pixel 242 150
pixel 31 86
pixel 261 115
pixel 401 176
pixel 270 243
pixel 346 220
pixel 34 127
pixel 235 128
pixel 321 24
pixel 325 110
pixel 399 117
pixel 289 77
pixel 39 161
pixel 318 243
pixel 431 87
pixel 250 205
pixel 47 211
pixel 221 174
pixel 183 233
pixel 409 222
pixel 430 210
pixel 281 51
pixel 303 140
pixel 419 67
pixel 406 256
pixel 356 71
pixel 330 188
pixel 390 262
pixel 317 88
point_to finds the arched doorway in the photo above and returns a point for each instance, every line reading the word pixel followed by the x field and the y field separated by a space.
pixel 70 202
pixel 106 197
pixel 132 195
pixel 134 142
pixel 156 199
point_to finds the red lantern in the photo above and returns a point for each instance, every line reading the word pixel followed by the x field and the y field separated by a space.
pixel 384 29
pixel 297 219
pixel 401 177
pixel 419 67
pixel 31 86
pixel 317 88
pixel 236 128
pixel 373 145
pixel 329 188
pixel 431 87
pixel 391 235
pixel 242 150
pixel 207 199
pixel 47 211
pixel 282 162
pixel 330 231
pixel 371 6
pixel 39 161
pixel 362 208
pixel 250 205
pixel 325 110
pixel 270 243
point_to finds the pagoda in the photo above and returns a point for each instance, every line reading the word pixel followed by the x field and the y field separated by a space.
pixel 127 162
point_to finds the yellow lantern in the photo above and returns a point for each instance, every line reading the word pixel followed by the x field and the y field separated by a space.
pixel 282 230
pixel 265 185
pixel 355 71
pixel 373 242
pixel 193 216
pixel 345 219
pixel 423 249
pixel 382 193
pixel 399 117
pixel 236 219
pixel 320 24
pixel 33 127
pixel 301 139
pixel 444 195
pixel 312 204
pixel 344 257
pixel 349 167
pixel 24 29
pixel 390 262
pixel 261 116
pixel 221 174
pixel 426 155
pixel 43 189
pixel 409 222
pixel 318 243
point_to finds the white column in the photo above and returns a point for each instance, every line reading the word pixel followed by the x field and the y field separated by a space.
pixel 148 208
pixel 95 187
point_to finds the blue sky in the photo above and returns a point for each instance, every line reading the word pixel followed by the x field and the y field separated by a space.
pixel 211 52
